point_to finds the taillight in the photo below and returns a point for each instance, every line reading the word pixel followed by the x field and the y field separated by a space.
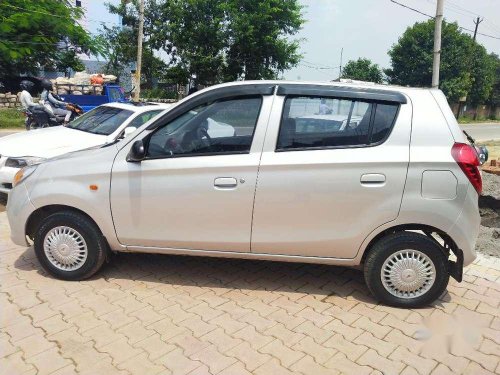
pixel 466 157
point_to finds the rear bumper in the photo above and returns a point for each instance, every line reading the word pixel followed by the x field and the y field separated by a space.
pixel 465 230
pixel 19 209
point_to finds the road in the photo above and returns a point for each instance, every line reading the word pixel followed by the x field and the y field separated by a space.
pixel 483 132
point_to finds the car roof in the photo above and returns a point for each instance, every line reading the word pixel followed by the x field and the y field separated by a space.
pixel 343 84
pixel 138 108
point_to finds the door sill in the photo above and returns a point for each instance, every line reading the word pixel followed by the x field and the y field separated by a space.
pixel 238 255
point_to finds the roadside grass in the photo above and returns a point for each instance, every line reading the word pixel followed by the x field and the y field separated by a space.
pixel 11 118
pixel 493 148
pixel 469 120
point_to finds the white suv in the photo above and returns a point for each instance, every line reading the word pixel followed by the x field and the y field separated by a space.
pixel 386 181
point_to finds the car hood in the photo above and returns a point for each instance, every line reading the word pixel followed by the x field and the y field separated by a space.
pixel 48 142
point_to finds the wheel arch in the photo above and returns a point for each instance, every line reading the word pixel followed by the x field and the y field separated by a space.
pixel 430 231
pixel 43 212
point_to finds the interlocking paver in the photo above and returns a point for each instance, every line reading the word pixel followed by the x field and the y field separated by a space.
pixel 181 315
pixel 250 357
pixel 48 361
pixel 307 365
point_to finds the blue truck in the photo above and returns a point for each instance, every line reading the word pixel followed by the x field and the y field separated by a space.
pixel 110 93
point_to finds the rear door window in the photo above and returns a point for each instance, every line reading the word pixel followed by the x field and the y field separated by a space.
pixel 324 122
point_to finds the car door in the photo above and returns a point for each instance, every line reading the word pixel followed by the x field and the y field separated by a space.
pixel 333 169
pixel 193 190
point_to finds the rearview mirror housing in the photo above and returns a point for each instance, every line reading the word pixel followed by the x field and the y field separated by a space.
pixel 129 131
pixel 137 152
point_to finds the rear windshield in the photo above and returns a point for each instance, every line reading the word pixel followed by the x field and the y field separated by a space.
pixel 101 120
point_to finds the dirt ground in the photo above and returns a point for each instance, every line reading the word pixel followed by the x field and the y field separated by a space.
pixel 488 242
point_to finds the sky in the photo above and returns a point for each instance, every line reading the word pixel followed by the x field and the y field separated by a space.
pixel 363 28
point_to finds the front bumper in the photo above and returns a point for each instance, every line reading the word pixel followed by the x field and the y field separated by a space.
pixel 6 177
pixel 19 209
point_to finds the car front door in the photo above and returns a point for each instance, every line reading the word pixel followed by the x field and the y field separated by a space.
pixel 195 188
pixel 333 169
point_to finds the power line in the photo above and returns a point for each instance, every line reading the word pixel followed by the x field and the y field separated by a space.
pixel 54 15
pixel 20 42
pixel 432 17
pixel 413 9
pixel 466 13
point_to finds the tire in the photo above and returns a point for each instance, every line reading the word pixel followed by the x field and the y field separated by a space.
pixel 80 233
pixel 406 244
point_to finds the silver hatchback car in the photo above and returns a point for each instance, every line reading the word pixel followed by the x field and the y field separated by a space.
pixel 340 174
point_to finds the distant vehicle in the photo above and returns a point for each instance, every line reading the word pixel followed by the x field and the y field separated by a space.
pixel 39 118
pixel 103 125
pixel 110 94
pixel 387 182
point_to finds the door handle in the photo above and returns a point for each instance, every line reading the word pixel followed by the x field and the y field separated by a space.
pixel 225 182
pixel 372 179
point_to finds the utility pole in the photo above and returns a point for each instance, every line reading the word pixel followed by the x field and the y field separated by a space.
pixel 340 68
pixel 437 43
pixel 140 36
pixel 477 21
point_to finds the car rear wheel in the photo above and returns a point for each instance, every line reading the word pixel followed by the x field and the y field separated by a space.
pixel 406 269
pixel 70 246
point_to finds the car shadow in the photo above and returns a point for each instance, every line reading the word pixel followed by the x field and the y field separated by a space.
pixel 322 281
pixel 211 272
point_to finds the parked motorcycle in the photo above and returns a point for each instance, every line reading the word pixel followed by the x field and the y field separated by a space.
pixel 37 117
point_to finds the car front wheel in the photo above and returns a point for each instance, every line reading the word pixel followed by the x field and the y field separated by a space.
pixel 70 246
pixel 406 269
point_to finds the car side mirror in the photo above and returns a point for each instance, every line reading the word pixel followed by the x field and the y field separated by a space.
pixel 129 131
pixel 137 152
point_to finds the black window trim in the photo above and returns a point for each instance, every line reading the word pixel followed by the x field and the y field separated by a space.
pixel 225 92
pixel 342 92
pixel 362 145
pixel 222 99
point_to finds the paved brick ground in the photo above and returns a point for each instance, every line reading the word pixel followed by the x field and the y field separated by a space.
pixel 146 314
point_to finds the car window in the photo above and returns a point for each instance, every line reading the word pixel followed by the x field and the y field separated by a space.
pixel 222 127
pixel 143 118
pixel 385 115
pixel 313 122
pixel 101 120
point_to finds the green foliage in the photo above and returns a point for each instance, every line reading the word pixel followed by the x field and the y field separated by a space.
pixel 31 35
pixel 158 93
pixel 212 40
pixel 494 99
pixel 465 69
pixel 364 70
pixel 11 118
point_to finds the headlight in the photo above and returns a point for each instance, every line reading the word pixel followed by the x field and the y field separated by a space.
pixel 23 174
pixel 23 161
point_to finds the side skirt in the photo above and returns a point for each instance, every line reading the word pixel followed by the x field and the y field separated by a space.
pixel 239 255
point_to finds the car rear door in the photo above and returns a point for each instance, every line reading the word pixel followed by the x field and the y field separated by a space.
pixel 194 190
pixel 325 182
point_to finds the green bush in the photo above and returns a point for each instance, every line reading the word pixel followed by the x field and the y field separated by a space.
pixel 158 93
pixel 11 118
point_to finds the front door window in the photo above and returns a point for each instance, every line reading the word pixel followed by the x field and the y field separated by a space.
pixel 223 127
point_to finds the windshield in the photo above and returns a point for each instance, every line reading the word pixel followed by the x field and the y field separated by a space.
pixel 101 120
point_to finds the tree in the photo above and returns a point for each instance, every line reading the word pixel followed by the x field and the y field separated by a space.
pixel 121 46
pixel 494 99
pixel 465 67
pixel 258 37
pixel 42 34
pixel 218 40
pixel 364 70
